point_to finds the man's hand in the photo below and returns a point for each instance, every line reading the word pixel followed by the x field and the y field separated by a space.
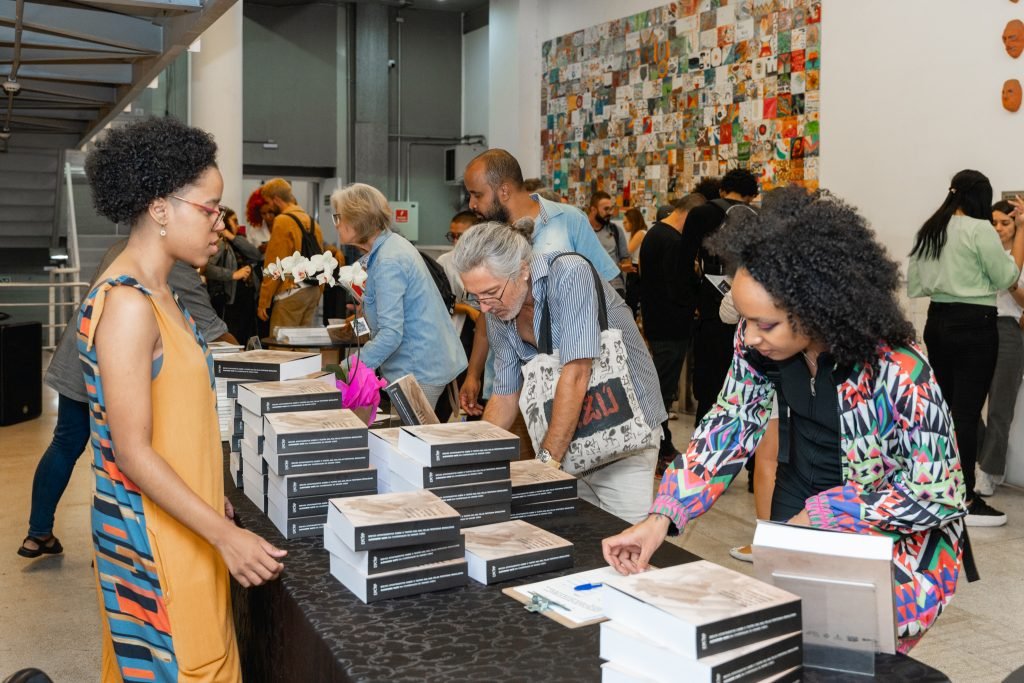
pixel 630 551
pixel 469 396
pixel 261 313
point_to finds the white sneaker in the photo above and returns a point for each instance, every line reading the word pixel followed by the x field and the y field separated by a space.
pixel 985 484
pixel 743 553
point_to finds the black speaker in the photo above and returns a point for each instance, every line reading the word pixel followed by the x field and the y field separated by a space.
pixel 21 372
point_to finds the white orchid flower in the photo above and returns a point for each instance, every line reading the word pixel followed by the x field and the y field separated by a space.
pixel 288 263
pixel 317 263
pixel 273 270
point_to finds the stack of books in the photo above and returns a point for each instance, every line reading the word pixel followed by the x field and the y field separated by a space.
pixel 465 463
pixel 395 544
pixel 539 491
pixel 699 622
pixel 512 550
pixel 232 368
pixel 219 350
pixel 316 391
pixel 306 459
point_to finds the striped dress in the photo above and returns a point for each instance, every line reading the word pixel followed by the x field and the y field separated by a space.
pixel 164 591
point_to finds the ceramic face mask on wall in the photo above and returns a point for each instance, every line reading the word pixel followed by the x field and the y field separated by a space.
pixel 1011 95
pixel 1013 38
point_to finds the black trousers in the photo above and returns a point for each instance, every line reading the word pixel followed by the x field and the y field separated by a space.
pixel 712 355
pixel 668 356
pixel 963 341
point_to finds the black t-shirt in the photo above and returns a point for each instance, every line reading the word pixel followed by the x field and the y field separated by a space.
pixel 668 285
pixel 810 451
pixel 701 223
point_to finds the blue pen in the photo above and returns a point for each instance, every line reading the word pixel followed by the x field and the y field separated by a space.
pixel 588 586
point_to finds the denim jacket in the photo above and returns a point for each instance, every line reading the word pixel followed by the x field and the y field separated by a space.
pixel 411 331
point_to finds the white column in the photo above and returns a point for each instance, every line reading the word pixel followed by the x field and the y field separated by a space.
pixel 217 99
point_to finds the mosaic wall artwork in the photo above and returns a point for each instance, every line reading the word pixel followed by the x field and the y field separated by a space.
pixel 645 106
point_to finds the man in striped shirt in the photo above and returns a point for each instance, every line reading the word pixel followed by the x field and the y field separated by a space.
pixel 509 280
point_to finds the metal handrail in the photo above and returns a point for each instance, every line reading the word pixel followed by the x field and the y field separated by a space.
pixel 51 304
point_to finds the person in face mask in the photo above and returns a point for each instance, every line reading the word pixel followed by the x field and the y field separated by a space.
pixel 611 236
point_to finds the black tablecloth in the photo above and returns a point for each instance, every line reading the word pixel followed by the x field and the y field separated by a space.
pixel 308 628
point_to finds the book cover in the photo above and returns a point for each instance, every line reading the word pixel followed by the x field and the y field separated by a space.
pixel 267 366
pixel 396 584
pixel 391 520
pixel 463 495
pixel 317 462
pixel 324 483
pixel 253 424
pixel 458 443
pixel 844 579
pixel 289 396
pixel 535 482
pixel 484 514
pixel 312 431
pixel 409 401
pixel 295 527
pixel 745 664
pixel 513 549
pixel 546 509
pixel 423 476
pixel 701 608
pixel 391 559
pixel 231 386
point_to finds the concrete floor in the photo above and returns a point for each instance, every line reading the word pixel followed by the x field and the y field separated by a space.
pixel 49 616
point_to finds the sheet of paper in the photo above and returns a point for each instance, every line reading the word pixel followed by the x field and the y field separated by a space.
pixel 584 605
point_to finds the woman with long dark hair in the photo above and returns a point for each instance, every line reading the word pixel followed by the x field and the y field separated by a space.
pixel 822 331
pixel 959 263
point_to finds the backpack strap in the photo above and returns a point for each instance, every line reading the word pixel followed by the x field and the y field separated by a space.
pixel 299 223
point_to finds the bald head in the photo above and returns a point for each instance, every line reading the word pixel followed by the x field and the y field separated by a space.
pixel 499 167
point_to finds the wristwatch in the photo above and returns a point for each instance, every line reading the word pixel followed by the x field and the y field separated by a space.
pixel 545 457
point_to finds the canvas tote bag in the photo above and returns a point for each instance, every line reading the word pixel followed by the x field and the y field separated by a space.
pixel 611 423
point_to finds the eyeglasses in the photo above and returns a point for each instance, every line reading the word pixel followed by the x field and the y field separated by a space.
pixel 489 300
pixel 218 212
pixel 452 237
pixel 336 217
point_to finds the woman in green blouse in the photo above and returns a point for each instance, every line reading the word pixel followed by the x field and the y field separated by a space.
pixel 959 263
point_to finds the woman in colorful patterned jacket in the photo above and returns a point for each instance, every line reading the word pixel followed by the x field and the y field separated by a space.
pixel 866 445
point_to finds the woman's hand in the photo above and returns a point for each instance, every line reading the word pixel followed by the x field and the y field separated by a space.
pixel 630 551
pixel 249 558
pixel 1018 209
pixel 801 519
pixel 229 509
pixel 469 395
pixel 242 273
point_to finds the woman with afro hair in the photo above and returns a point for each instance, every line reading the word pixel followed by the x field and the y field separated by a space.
pixel 164 539
pixel 865 442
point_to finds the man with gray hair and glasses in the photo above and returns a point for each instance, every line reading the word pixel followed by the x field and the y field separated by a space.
pixel 511 282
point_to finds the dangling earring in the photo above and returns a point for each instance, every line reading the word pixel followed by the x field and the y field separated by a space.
pixel 163 230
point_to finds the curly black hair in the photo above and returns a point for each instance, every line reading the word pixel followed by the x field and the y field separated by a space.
pixel 135 164
pixel 817 258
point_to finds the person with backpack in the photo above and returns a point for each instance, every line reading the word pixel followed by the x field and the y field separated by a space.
pixel 410 325
pixel 294 303
pixel 712 339
pixel 611 236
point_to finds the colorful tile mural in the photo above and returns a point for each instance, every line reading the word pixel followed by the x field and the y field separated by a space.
pixel 645 106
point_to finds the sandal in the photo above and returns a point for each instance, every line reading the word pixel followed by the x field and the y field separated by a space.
pixel 51 546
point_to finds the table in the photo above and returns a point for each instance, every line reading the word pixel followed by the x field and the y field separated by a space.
pixel 307 627
pixel 331 354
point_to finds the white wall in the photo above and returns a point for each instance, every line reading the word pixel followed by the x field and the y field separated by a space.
pixel 475 79
pixel 910 94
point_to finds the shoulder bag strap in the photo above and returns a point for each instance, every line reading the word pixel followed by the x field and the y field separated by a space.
pixel 544 342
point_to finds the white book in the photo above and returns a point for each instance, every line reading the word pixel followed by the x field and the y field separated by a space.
pixel 458 443
pixel 294 527
pixel 313 431
pixel 253 423
pixel 392 520
pixel 262 365
pixel 289 396
pixel 382 560
pixel 753 662
pixel 383 444
pixel 514 549
pixel 701 608
pixel 409 581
